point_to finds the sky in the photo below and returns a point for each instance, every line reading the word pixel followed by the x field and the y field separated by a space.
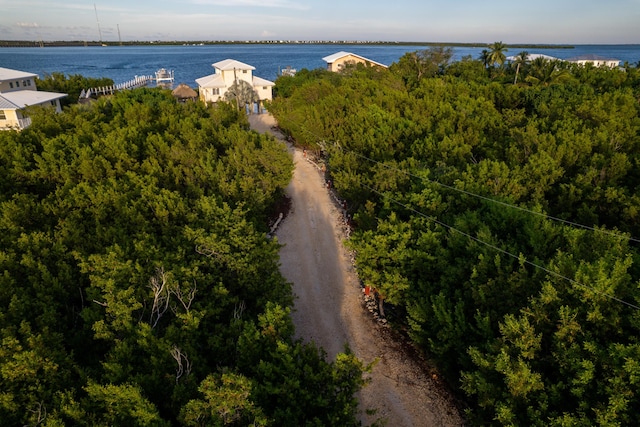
pixel 512 21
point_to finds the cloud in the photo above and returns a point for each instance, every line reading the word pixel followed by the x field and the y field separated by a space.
pixel 283 4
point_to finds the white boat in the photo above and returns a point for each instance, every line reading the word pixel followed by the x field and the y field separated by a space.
pixel 288 71
pixel 164 76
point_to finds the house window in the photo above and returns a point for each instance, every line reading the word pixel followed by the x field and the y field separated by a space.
pixel 3 116
pixel 11 85
pixel 215 91
pixel 17 84
pixel 264 87
pixel 244 71
pixel 24 83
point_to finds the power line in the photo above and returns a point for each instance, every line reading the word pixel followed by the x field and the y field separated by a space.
pixel 503 251
pixel 550 217
pixel 435 220
pixel 543 215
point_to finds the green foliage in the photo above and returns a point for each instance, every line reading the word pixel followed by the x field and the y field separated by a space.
pixel 134 258
pixel 72 85
pixel 456 182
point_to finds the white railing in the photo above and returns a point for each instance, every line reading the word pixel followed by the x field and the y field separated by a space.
pixel 138 81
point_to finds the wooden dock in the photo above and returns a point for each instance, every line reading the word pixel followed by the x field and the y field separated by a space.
pixel 138 81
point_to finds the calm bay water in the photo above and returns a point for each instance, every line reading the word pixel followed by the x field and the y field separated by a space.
pixel 122 63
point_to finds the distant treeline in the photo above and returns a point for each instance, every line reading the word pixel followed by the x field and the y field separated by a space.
pixel 32 43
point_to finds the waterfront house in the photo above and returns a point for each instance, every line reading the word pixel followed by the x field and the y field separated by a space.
pixel 595 60
pixel 17 92
pixel 338 61
pixel 229 74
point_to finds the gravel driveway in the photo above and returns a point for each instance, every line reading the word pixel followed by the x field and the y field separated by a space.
pixel 329 306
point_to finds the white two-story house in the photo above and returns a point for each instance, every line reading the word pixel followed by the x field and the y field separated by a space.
pixel 18 91
pixel 212 88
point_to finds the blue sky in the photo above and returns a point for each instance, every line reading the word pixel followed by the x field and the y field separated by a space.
pixel 541 21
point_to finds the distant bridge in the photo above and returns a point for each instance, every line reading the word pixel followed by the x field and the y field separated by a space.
pixel 138 81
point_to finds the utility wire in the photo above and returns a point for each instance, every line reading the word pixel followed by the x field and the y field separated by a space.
pixel 494 247
pixel 435 220
pixel 543 215
pixel 575 224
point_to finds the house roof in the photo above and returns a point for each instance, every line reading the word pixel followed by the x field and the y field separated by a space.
pixel 533 56
pixel 230 64
pixel 184 91
pixel 24 98
pixel 333 58
pixel 259 81
pixel 591 57
pixel 212 80
pixel 9 74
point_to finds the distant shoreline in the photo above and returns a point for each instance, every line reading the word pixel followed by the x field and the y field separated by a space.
pixel 72 43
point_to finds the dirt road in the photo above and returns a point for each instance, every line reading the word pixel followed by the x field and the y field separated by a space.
pixel 329 305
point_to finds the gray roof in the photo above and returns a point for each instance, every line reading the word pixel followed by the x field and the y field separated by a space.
pixel 9 74
pixel 23 98
pixel 591 57
pixel 533 56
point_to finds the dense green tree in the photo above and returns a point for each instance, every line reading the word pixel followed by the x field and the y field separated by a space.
pixel 413 66
pixel 134 255
pixel 72 85
pixel 499 224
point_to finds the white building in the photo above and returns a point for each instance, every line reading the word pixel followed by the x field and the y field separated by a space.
pixel 18 91
pixel 213 87
pixel 532 57
pixel 595 60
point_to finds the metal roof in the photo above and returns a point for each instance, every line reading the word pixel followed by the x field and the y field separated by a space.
pixel 9 74
pixel 332 58
pixel 259 81
pixel 591 57
pixel 533 56
pixel 212 80
pixel 24 98
pixel 231 64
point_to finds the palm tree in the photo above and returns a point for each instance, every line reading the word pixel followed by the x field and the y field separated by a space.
pixel 522 59
pixel 242 93
pixel 485 58
pixel 546 73
pixel 496 53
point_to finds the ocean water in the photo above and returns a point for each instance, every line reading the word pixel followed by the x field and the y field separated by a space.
pixel 123 63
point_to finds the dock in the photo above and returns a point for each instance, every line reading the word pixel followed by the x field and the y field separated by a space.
pixel 138 81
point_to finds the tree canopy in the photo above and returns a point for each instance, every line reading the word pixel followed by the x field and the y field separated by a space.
pixel 499 220
pixel 138 284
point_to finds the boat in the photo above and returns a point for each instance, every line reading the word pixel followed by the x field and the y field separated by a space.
pixel 164 76
pixel 288 71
